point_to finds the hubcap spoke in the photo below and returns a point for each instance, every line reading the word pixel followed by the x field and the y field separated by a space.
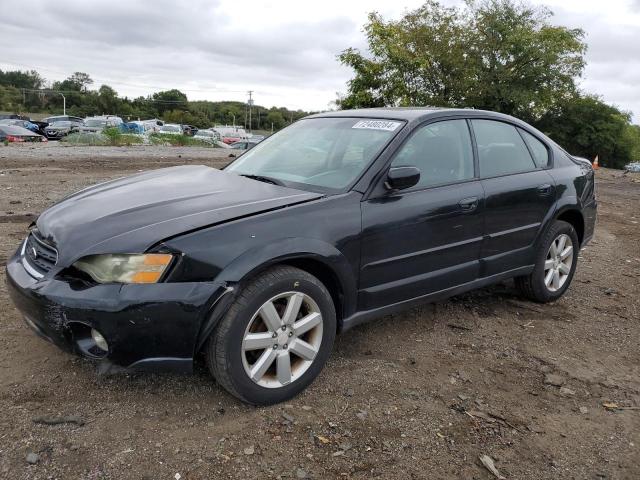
pixel 258 341
pixel 548 264
pixel 283 368
pixel 564 269
pixel 554 248
pixel 303 349
pixel 270 316
pixel 556 279
pixel 262 364
pixel 549 277
pixel 566 253
pixel 306 323
pixel 293 308
pixel 561 242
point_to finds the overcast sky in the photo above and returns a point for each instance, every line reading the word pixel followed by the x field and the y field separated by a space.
pixel 284 50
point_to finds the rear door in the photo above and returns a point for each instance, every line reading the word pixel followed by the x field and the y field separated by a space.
pixel 427 238
pixel 519 193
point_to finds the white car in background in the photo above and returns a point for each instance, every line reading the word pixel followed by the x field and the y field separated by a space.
pixel 171 129
pixel 98 124
pixel 209 136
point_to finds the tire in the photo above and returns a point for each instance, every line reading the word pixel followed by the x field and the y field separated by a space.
pixel 538 286
pixel 234 357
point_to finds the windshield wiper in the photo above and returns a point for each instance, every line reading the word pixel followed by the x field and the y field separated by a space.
pixel 262 178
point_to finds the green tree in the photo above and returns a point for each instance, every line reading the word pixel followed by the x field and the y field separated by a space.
pixel 170 100
pixel 586 126
pixel 275 118
pixel 108 101
pixel 492 54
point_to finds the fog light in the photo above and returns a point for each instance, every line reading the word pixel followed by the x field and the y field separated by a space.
pixel 101 343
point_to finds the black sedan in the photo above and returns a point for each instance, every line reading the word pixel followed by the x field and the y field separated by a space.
pixel 338 219
pixel 62 128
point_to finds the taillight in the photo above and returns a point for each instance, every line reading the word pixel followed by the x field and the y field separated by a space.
pixel 13 138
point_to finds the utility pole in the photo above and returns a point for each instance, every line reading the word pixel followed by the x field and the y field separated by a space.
pixel 64 105
pixel 250 105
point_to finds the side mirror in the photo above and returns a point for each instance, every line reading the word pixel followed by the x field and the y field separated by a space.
pixel 400 178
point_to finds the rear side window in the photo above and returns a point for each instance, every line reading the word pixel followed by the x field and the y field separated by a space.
pixel 442 151
pixel 501 149
pixel 538 150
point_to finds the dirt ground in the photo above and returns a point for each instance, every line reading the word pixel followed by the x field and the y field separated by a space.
pixel 418 395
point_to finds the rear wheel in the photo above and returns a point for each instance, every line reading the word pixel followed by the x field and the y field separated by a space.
pixel 556 261
pixel 275 338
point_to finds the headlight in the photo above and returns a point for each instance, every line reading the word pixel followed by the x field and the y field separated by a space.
pixel 124 268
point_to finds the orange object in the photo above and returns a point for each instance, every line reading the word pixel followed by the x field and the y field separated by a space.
pixel 146 277
pixel 596 165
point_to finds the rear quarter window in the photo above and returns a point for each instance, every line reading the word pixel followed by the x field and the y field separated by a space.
pixel 538 149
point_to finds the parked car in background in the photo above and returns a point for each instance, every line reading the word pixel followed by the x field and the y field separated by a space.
pixel 231 134
pixel 60 118
pixel 97 124
pixel 632 167
pixel 132 128
pixel 28 124
pixel 150 125
pixel 14 133
pixel 243 266
pixel 244 144
pixel 13 116
pixel 209 136
pixel 62 128
pixel 171 129
pixel 189 130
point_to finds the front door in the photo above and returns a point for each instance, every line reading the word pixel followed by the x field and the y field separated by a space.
pixel 427 238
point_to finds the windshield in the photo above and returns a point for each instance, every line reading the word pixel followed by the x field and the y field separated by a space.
pixel 95 123
pixel 62 123
pixel 170 128
pixel 329 153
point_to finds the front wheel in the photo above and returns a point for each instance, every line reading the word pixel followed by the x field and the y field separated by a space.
pixel 275 338
pixel 556 261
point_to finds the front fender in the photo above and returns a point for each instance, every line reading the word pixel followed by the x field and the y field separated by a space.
pixel 258 258
pixel 286 249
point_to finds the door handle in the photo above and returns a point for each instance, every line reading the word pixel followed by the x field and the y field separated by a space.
pixel 468 204
pixel 544 189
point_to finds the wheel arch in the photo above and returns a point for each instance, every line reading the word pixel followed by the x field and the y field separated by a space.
pixel 316 257
pixel 573 216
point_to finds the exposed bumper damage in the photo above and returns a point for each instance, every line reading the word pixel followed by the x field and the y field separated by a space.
pixel 147 327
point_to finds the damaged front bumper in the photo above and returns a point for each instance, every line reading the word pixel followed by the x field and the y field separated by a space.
pixel 146 326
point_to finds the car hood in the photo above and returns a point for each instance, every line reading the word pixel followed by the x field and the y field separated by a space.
pixel 131 214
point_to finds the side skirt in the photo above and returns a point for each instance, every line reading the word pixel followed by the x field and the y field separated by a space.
pixel 368 315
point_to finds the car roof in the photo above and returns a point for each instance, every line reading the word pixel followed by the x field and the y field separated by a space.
pixel 411 114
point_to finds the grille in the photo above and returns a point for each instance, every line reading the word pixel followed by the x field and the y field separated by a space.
pixel 39 255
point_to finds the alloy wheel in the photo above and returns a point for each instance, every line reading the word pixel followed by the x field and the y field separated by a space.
pixel 282 339
pixel 557 266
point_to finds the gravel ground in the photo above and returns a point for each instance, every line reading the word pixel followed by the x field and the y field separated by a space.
pixel 422 394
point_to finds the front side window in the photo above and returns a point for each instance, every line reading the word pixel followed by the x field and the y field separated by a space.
pixel 441 151
pixel 538 150
pixel 501 149
pixel 325 154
